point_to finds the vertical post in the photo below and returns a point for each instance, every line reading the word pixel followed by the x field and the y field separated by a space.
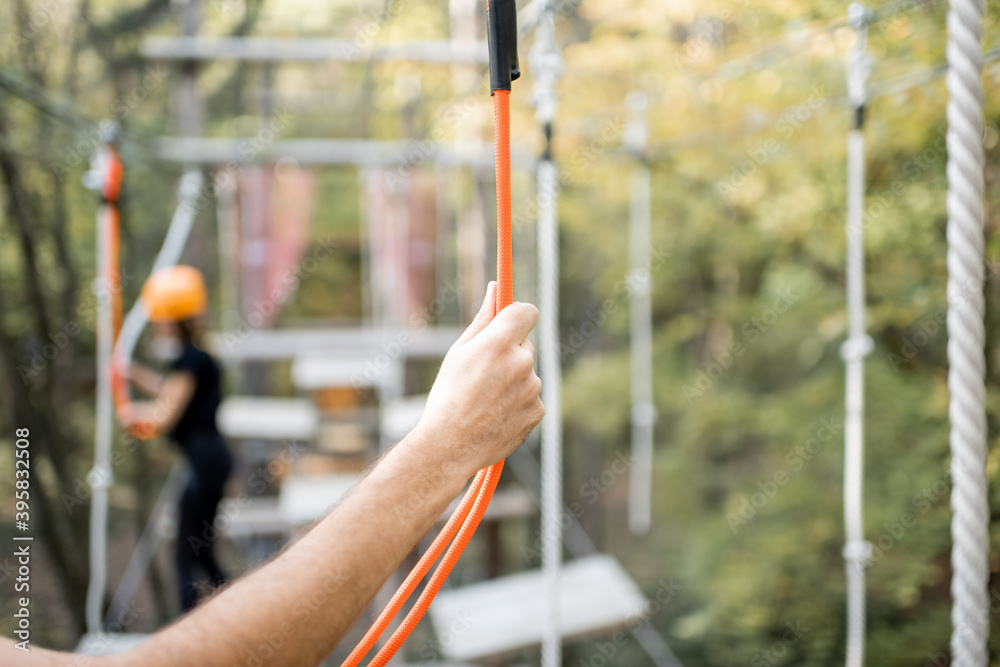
pixel 188 104
pixel 643 415
pixel 858 345
pixel 970 613
pixel 547 63
pixel 99 478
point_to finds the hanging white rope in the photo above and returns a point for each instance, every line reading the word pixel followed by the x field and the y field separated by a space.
pixel 547 65
pixel 970 614
pixel 643 414
pixel 100 476
pixel 857 346
pixel 135 321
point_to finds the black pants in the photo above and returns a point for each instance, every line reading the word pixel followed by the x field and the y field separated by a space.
pixel 211 465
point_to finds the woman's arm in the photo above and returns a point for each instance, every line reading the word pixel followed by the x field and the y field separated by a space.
pixel 163 412
pixel 145 379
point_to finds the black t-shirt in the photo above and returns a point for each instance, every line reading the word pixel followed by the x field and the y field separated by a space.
pixel 199 415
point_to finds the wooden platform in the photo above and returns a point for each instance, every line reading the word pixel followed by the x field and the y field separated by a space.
pixel 304 499
pixel 260 418
pixel 398 417
pixel 260 517
pixel 506 614
pixel 319 372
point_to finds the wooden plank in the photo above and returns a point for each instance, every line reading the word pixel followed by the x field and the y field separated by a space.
pixel 261 418
pixel 506 614
pixel 260 516
pixel 312 372
pixel 271 49
pixel 398 417
pixel 376 348
pixel 355 152
pixel 303 500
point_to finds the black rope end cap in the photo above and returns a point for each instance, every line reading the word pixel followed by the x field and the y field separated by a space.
pixel 501 33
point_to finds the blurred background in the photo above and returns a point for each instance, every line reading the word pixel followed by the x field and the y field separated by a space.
pixel 345 227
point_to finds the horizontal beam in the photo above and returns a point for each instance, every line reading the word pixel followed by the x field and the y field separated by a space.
pixel 360 152
pixel 366 344
pixel 271 49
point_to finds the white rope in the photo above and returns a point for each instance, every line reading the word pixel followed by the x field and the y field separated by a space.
pixel 970 615
pixel 547 65
pixel 99 477
pixel 643 415
pixel 857 346
pixel 170 253
pixel 145 549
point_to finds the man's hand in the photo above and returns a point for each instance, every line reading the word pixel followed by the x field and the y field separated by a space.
pixel 485 399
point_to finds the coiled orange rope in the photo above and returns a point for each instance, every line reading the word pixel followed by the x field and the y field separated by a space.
pixel 471 509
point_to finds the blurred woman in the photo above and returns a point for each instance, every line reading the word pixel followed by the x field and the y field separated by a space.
pixel 184 405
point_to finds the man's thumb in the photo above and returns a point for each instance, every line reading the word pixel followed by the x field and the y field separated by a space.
pixel 485 315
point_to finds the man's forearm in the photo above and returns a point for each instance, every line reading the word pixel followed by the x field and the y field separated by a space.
pixel 293 610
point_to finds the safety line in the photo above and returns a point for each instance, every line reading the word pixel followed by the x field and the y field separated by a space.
pixel 503 58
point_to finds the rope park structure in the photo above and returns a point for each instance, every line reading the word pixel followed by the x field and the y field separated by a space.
pixel 118 336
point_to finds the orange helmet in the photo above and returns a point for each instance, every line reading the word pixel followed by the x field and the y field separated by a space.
pixel 174 294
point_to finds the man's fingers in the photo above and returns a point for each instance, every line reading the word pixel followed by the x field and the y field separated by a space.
pixel 485 315
pixel 515 322
pixel 530 347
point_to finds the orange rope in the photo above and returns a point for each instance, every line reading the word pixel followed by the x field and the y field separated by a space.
pixel 501 139
pixel 143 430
pixel 486 480
pixel 444 569
pixel 421 568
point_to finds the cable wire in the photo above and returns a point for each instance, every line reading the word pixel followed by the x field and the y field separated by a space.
pixel 857 550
